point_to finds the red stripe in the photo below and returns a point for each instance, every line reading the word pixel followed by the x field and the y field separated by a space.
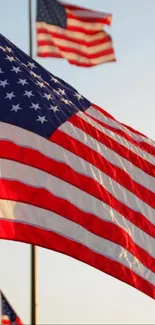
pixel 87 65
pixel 73 50
pixel 142 145
pixel 94 158
pixel 64 36
pixel 101 110
pixel 116 173
pixel 83 30
pixel 16 191
pixel 8 322
pixel 18 321
pixel 114 145
pixel 73 62
pixel 47 54
pixel 86 55
pixel 63 171
pixel 32 235
pixel 134 131
pixel 70 49
pixel 27 156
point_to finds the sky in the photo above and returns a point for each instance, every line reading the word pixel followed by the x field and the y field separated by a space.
pixel 70 292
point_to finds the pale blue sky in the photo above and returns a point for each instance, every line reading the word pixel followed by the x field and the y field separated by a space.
pixel 69 291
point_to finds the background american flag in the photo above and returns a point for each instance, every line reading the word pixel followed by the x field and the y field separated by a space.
pixel 73 179
pixel 8 315
pixel 74 33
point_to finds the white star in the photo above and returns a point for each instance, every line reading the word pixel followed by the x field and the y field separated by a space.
pixel 22 82
pixel 78 96
pixel 53 108
pixel 1 71
pixel 41 84
pixel 4 83
pixel 9 49
pixel 28 93
pixel 68 102
pixel 48 96
pixel 41 119
pixel 61 91
pixel 31 65
pixel 16 69
pixel 15 108
pixel 10 95
pixel 35 106
pixel 55 80
pixel 10 58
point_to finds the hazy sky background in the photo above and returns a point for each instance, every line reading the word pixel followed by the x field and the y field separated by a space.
pixel 70 291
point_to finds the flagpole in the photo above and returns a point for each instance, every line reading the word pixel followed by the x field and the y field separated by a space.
pixel 0 307
pixel 33 286
pixel 33 270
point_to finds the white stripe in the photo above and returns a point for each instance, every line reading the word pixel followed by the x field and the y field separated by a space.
pixel 122 141
pixel 12 170
pixel 113 123
pixel 52 49
pixel 44 219
pixel 51 150
pixel 76 57
pixel 76 35
pixel 90 50
pixel 118 191
pixel 31 140
pixel 5 317
pixel 135 173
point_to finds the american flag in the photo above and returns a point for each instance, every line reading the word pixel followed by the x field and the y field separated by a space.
pixel 8 315
pixel 72 178
pixel 74 33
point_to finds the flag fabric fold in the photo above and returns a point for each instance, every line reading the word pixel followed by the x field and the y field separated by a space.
pixel 72 178
pixel 8 315
pixel 74 33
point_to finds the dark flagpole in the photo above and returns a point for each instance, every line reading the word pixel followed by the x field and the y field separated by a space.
pixel 33 286
pixel 33 270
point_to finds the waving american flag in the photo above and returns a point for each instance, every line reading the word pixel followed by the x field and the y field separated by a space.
pixel 8 315
pixel 72 178
pixel 73 33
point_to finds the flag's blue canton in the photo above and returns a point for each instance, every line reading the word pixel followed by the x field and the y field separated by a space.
pixel 51 12
pixel 30 96
pixel 8 311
